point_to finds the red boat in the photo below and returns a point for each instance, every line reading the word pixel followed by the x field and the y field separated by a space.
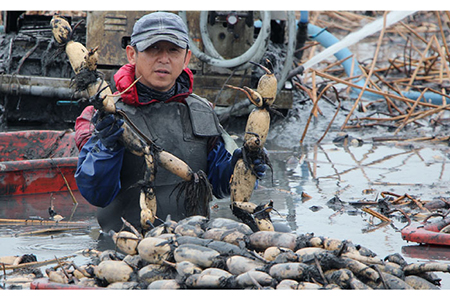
pixel 37 161
pixel 429 233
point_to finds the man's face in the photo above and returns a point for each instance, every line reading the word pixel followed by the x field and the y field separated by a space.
pixel 159 65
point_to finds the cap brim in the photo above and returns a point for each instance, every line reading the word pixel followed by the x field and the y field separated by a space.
pixel 142 45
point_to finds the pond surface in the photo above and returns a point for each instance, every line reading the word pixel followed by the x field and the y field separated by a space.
pixel 324 172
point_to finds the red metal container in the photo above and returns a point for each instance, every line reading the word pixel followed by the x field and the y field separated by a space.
pixel 428 233
pixel 45 284
pixel 37 161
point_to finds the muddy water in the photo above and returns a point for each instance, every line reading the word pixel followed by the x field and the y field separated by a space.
pixel 350 174
pixel 325 172
pixel 24 238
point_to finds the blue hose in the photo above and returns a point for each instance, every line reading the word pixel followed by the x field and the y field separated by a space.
pixel 326 39
pixel 304 16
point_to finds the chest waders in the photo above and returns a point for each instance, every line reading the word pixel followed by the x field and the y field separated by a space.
pixel 183 130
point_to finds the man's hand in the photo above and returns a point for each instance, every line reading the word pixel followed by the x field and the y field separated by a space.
pixel 259 167
pixel 95 99
pixel 108 129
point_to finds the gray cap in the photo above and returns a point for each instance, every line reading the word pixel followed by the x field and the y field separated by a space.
pixel 159 26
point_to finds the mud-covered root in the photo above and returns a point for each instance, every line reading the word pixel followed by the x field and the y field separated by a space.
pixel 57 276
pixel 242 185
pixel 78 55
pixel 431 277
pixel 417 268
pixel 199 255
pixel 154 250
pixel 331 244
pixel 257 217
pixel 189 230
pixel 308 254
pixel 393 269
pixel 396 258
pixel 254 278
pixel 419 283
pixel 61 29
pixel 210 278
pixel 296 271
pixel 113 271
pixel 83 61
pixel 262 216
pixel 230 236
pixel 226 224
pixel 168 227
pixel 360 269
pixel 266 90
pixel 267 85
pixel 191 226
pixel 197 193
pixel 287 284
pixel 345 279
pixel 126 241
pixel 328 261
pixel 205 281
pixel 153 272
pixel 254 97
pixel 91 59
pixel 197 220
pixel 164 284
pixel 356 284
pixel 174 165
pixel 132 142
pixel 84 271
pixel 184 268
pixel 256 129
pixel 364 259
pixel 391 282
pixel 147 215
pixel 84 64
pixel 262 240
pixel 238 264
pixel 271 253
pixel 345 248
pixel 195 187
pixel 147 198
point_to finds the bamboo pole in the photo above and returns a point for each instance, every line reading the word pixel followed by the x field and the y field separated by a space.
pixel 411 79
pixel 376 214
pixel 313 110
pixel 42 222
pixel 35 264
pixel 444 60
pixel 49 231
pixel 410 112
pixel 370 73
pixel 381 93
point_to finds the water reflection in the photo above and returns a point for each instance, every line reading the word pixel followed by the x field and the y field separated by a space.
pixel 313 188
pixel 335 176
pixel 327 170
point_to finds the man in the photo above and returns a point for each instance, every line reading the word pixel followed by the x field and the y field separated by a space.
pixel 164 108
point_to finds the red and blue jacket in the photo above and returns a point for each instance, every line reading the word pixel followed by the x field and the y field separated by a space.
pixel 98 172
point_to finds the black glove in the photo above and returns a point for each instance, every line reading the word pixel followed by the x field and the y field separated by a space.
pixel 108 129
pixel 96 101
pixel 259 167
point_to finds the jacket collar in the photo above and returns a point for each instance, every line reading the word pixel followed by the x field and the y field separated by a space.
pixel 126 76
